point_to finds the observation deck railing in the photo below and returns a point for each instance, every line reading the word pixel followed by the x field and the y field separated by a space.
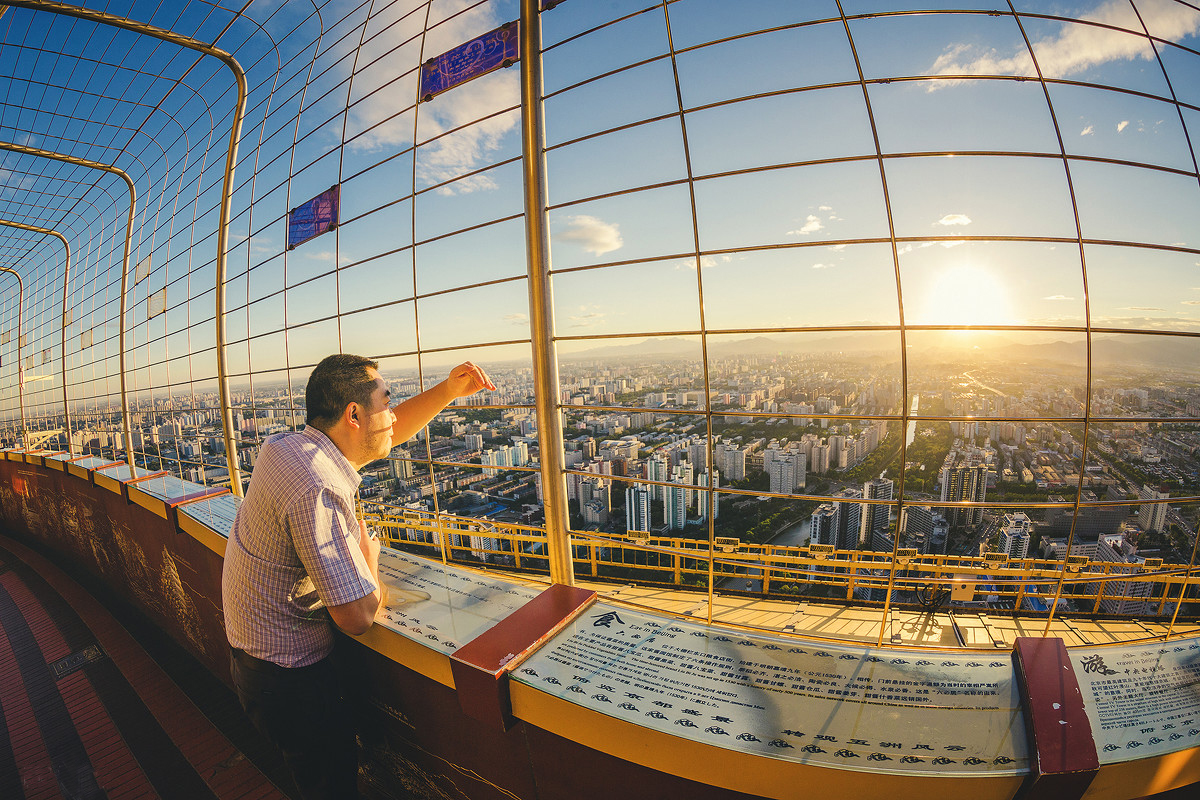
pixel 992 582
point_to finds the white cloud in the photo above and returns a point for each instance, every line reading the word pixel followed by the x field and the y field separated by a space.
pixel 1122 125
pixel 954 219
pixel 824 208
pixel 589 320
pixel 1058 297
pixel 1088 131
pixel 811 225
pixel 837 248
pixel 1191 302
pixel 1142 308
pixel 1075 48
pixel 455 153
pixel 517 318
pixel 821 266
pixel 592 234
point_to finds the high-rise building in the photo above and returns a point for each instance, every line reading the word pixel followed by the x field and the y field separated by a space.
pixel 783 474
pixel 1153 516
pixel 820 459
pixel 847 520
pixel 823 528
pixel 1016 535
pixel 637 508
pixel 1122 597
pixel 876 517
pixel 926 529
pixel 963 482
pixel 675 507
pixel 733 462
pixel 658 468
pixel 702 496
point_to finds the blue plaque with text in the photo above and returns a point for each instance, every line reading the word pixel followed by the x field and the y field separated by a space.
pixel 313 218
pixel 481 55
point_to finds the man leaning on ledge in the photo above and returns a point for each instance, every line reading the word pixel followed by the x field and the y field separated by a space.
pixel 299 561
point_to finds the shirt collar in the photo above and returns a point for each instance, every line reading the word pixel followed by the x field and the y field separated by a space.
pixel 341 463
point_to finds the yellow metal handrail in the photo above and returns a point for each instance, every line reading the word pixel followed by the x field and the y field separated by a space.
pixel 1115 589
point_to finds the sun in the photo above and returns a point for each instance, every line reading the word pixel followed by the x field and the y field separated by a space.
pixel 964 294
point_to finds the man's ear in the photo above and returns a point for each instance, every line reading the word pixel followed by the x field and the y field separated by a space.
pixel 351 414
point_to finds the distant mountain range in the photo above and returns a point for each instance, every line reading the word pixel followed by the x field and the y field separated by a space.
pixel 1132 349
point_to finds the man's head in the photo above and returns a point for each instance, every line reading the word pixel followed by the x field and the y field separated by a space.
pixel 348 401
pixel 339 380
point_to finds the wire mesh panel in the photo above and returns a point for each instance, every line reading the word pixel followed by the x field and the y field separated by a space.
pixel 903 283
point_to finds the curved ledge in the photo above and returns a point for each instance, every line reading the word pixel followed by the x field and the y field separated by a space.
pixel 634 698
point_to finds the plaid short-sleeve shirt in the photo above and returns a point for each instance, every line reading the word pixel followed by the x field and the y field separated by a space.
pixel 293 551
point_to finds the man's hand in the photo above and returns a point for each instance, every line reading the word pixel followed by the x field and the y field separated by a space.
pixel 467 379
pixel 369 544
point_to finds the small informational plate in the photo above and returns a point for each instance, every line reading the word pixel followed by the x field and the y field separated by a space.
pixel 14 454
pixel 1142 700
pixel 210 520
pixel 163 493
pixel 483 54
pixel 82 467
pixel 314 217
pixel 894 711
pixel 116 476
pixel 58 462
pixel 443 607
pixel 47 454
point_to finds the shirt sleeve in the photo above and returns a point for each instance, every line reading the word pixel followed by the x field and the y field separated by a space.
pixel 325 534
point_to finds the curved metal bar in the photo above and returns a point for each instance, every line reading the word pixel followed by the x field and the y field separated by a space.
pixel 231 455
pixel 20 368
pixel 83 162
pixel 63 328
pixel 541 301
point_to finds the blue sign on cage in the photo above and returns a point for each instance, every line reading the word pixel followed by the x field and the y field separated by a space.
pixel 313 218
pixel 481 55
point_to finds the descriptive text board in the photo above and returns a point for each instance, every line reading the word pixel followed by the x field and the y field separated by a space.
pixel 443 608
pixel 1142 700
pixel 896 711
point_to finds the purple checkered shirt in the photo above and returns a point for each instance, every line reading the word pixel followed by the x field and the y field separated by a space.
pixel 293 551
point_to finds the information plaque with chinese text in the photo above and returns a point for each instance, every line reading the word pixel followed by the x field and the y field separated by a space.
pixel 1142 700
pixel 897 711
pixel 443 608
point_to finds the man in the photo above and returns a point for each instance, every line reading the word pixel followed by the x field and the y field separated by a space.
pixel 299 562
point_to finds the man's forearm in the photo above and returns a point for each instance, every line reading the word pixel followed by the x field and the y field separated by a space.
pixel 416 412
pixel 373 564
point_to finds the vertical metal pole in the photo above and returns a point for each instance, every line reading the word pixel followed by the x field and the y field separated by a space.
pixel 63 347
pixel 66 281
pixel 83 162
pixel 20 368
pixel 541 302
pixel 239 74
pixel 231 454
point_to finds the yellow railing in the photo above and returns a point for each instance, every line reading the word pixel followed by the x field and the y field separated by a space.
pixel 1027 585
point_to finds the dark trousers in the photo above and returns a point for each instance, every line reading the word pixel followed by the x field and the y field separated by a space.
pixel 303 712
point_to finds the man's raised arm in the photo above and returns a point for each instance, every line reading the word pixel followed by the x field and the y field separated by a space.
pixel 416 412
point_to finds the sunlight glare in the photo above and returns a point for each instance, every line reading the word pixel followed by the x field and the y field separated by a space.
pixel 965 294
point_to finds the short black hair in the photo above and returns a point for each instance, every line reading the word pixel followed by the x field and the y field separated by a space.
pixel 338 381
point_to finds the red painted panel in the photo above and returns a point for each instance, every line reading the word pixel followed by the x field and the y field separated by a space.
pixel 481 666
pixel 1062 751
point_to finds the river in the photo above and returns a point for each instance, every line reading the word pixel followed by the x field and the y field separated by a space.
pixel 795 535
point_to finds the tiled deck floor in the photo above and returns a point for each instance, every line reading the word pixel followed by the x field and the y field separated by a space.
pixel 85 712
